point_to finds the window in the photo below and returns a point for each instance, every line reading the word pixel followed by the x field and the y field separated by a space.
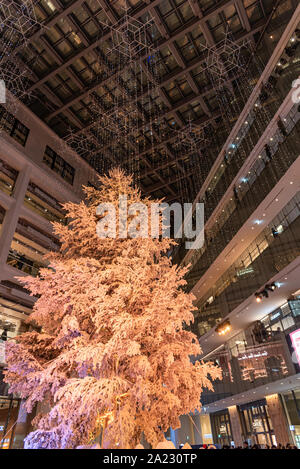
pixel 59 165
pixel 13 127
pixel 19 132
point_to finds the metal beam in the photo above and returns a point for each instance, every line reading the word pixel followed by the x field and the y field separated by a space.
pixel 178 74
pixel 191 25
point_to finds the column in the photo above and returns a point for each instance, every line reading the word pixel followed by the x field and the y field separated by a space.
pixel 236 427
pixel 12 215
pixel 278 419
pixel 184 434
pixel 206 431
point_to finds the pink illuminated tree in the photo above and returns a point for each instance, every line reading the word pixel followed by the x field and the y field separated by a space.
pixel 113 355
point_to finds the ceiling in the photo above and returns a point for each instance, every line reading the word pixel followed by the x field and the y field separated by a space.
pixel 73 81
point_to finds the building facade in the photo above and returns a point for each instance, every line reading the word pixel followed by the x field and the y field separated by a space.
pixel 246 275
pixel 37 174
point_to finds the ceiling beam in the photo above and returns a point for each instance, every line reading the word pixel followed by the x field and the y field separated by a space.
pixel 176 75
pixel 189 27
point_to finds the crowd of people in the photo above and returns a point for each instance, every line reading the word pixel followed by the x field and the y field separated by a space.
pixel 257 446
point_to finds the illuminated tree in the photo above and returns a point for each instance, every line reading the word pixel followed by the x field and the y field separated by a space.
pixel 113 352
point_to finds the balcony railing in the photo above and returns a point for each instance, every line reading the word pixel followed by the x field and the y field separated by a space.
pixel 23 263
pixel 275 91
pixel 250 363
pixel 260 184
pixel 275 254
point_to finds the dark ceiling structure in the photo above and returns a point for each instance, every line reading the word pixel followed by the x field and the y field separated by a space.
pixel 66 55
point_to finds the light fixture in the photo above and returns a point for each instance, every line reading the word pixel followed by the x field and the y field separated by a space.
pixel 265 293
pixel 258 297
pixel 223 328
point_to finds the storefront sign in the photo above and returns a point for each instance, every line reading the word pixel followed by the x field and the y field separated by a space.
pixel 257 423
pixel 253 355
pixel 295 338
pixel 223 429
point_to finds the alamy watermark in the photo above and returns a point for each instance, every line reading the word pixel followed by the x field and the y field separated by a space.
pixel 2 92
pixel 296 92
pixel 139 220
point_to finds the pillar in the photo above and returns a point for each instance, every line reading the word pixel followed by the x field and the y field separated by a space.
pixel 12 215
pixel 206 430
pixel 236 427
pixel 278 419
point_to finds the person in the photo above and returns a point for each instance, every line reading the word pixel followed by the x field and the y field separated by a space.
pixel 245 445
pixel 273 447
pixel 4 334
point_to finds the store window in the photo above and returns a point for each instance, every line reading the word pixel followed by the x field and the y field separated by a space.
pixel 295 307
pixel 12 317
pixel 256 423
pixel 9 408
pixel 281 319
pixel 221 428
pixel 291 401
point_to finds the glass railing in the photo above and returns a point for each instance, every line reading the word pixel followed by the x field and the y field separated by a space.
pixel 23 263
pixel 267 255
pixel 264 176
pixel 269 101
pixel 250 360
pixel 46 211
pixel 8 177
pixel 258 120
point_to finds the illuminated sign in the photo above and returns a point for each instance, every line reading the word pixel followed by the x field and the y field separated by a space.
pixel 223 428
pixel 295 338
pixel 253 355
pixel 257 423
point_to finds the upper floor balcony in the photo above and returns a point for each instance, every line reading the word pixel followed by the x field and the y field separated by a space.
pixel 273 249
pixel 256 356
pixel 262 177
pixel 267 97
pixel 8 177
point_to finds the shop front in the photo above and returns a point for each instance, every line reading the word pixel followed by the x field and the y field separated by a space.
pixel 12 429
pixel 291 402
pixel 221 428
pixel 256 423
pixel 9 408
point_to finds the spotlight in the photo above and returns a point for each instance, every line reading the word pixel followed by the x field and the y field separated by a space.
pixel 265 293
pixel 223 328
pixel 258 297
